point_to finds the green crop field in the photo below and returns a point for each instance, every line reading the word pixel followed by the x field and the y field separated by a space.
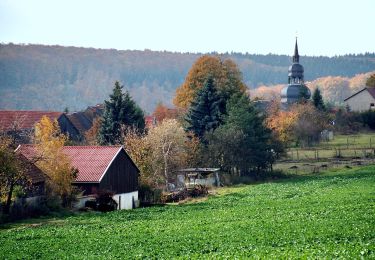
pixel 331 215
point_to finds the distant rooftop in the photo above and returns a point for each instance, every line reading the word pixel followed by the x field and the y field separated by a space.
pixel 11 119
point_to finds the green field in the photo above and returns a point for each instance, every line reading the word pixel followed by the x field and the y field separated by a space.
pixel 359 140
pixel 330 215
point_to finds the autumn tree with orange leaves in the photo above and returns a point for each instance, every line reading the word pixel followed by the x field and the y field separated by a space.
pixel 301 123
pixel 225 73
pixel 162 112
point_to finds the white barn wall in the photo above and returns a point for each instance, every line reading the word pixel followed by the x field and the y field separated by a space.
pixel 360 102
pixel 80 203
pixel 127 200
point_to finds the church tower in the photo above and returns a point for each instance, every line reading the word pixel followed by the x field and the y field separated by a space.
pixel 296 88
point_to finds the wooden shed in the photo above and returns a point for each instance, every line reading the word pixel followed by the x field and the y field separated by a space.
pixel 202 176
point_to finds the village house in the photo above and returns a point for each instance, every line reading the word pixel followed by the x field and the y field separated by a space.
pixel 362 100
pixel 100 168
pixel 84 120
pixel 19 124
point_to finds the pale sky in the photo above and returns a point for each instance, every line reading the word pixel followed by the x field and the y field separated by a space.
pixel 324 27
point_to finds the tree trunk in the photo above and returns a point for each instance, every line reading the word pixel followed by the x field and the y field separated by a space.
pixel 165 157
pixel 9 199
pixel 166 171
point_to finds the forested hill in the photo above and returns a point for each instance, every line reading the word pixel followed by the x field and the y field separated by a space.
pixel 55 77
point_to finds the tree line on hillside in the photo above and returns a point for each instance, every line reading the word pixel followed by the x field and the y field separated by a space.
pixel 55 77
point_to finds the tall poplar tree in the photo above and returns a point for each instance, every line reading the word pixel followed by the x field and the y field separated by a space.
pixel 119 110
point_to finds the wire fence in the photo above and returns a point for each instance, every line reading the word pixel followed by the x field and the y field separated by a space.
pixel 343 147
pixel 297 154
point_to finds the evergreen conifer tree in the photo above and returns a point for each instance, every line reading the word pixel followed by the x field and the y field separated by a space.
pixel 318 100
pixel 119 110
pixel 243 142
pixel 132 113
pixel 204 113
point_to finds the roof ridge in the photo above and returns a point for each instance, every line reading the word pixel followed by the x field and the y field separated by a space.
pixel 40 111
pixel 94 146
pixel 81 146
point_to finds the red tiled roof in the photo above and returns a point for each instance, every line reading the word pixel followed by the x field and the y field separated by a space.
pixel 91 161
pixel 23 120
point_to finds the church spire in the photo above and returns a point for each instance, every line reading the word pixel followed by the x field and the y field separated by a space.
pixel 296 55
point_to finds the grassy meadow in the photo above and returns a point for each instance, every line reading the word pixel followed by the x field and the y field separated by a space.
pixel 329 215
pixel 344 146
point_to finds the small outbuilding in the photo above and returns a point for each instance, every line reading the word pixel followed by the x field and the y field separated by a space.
pixel 198 176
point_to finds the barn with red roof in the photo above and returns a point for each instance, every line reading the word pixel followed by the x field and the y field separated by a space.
pixel 100 168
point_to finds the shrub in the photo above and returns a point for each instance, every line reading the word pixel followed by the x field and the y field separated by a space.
pixel 105 202
pixel 22 209
pixel 198 190
pixel 347 122
pixel 91 204
pixel 368 119
pixel 149 195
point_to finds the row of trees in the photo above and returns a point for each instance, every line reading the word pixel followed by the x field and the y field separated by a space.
pixel 232 131
pixel 334 89
pixel 215 124
pixel 55 77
